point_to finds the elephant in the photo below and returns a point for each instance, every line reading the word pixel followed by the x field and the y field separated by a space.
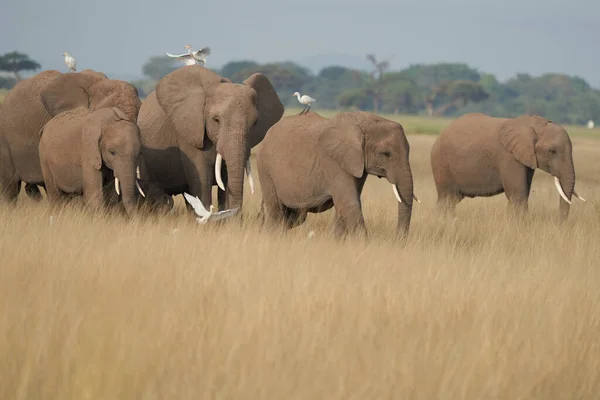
pixel 477 155
pixel 24 114
pixel 308 163
pixel 83 151
pixel 193 121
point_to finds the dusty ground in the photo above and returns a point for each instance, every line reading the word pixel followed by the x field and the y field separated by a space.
pixel 483 307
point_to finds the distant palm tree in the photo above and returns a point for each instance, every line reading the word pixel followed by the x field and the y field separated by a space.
pixel 16 62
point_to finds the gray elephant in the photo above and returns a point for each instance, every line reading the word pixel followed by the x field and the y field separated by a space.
pixel 308 163
pixel 481 156
pixel 23 115
pixel 195 120
pixel 82 152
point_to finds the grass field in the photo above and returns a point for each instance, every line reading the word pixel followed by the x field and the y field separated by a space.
pixel 481 307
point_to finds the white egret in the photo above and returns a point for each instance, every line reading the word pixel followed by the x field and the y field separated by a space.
pixel 306 100
pixel 206 215
pixel 70 61
pixel 192 57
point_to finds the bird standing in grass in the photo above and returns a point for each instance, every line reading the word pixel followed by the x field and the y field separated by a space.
pixel 306 100
pixel 70 61
pixel 192 57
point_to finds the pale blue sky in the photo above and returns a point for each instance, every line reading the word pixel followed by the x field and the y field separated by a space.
pixel 501 37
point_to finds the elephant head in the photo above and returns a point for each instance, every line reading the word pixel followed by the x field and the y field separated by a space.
pixel 205 107
pixel 539 143
pixel 380 148
pixel 111 139
pixel 92 90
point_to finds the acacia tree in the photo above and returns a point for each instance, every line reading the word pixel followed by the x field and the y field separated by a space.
pixel 375 84
pixel 16 62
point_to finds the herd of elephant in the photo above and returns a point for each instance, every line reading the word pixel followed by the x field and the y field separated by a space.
pixel 83 134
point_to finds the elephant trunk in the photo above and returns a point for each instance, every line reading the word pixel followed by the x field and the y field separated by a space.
pixel 565 185
pixel 404 190
pixel 235 155
pixel 125 180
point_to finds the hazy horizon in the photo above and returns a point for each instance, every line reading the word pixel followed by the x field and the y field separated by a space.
pixel 516 36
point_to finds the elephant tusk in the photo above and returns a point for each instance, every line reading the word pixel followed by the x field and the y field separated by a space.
pixel 117 186
pixel 218 172
pixel 249 173
pixel 139 188
pixel 396 193
pixel 560 190
pixel 578 196
pixel 137 172
pixel 416 199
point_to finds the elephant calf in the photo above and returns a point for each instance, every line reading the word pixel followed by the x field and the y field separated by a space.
pixel 82 151
pixel 308 163
pixel 481 156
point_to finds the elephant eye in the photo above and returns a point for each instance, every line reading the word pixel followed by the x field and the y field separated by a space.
pixel 112 152
pixel 552 151
pixel 216 119
pixel 386 154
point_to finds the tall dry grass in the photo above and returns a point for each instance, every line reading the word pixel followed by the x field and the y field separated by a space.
pixel 481 307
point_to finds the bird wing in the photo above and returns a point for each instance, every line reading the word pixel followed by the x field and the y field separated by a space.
pixel 204 50
pixel 223 214
pixel 196 205
pixel 178 55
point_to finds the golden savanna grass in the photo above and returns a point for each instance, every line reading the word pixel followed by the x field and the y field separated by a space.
pixel 481 307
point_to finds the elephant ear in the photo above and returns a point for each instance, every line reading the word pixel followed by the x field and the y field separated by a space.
pixel 182 95
pixel 91 134
pixel 345 145
pixel 270 109
pixel 519 140
pixel 115 93
pixel 67 91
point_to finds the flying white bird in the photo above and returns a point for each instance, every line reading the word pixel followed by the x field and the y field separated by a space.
pixel 206 215
pixel 70 61
pixel 192 57
pixel 306 100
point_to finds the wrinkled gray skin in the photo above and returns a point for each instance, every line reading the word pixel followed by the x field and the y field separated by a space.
pixel 195 113
pixel 25 111
pixel 22 117
pixel 481 156
pixel 82 152
pixel 308 163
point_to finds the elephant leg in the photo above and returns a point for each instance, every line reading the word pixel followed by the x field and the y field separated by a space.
pixel 516 181
pixel 349 217
pixel 198 173
pixel 447 201
pixel 10 185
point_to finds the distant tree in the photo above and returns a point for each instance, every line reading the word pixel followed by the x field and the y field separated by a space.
pixel 232 68
pixel 375 84
pixel 7 82
pixel 158 67
pixel 15 62
pixel 356 98
pixel 282 77
pixel 333 72
pixel 400 95
pixel 460 93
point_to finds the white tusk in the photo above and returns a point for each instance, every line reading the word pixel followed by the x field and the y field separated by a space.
pixel 578 196
pixel 117 186
pixel 249 173
pixel 137 172
pixel 139 188
pixel 560 190
pixel 396 193
pixel 218 172
pixel 416 199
